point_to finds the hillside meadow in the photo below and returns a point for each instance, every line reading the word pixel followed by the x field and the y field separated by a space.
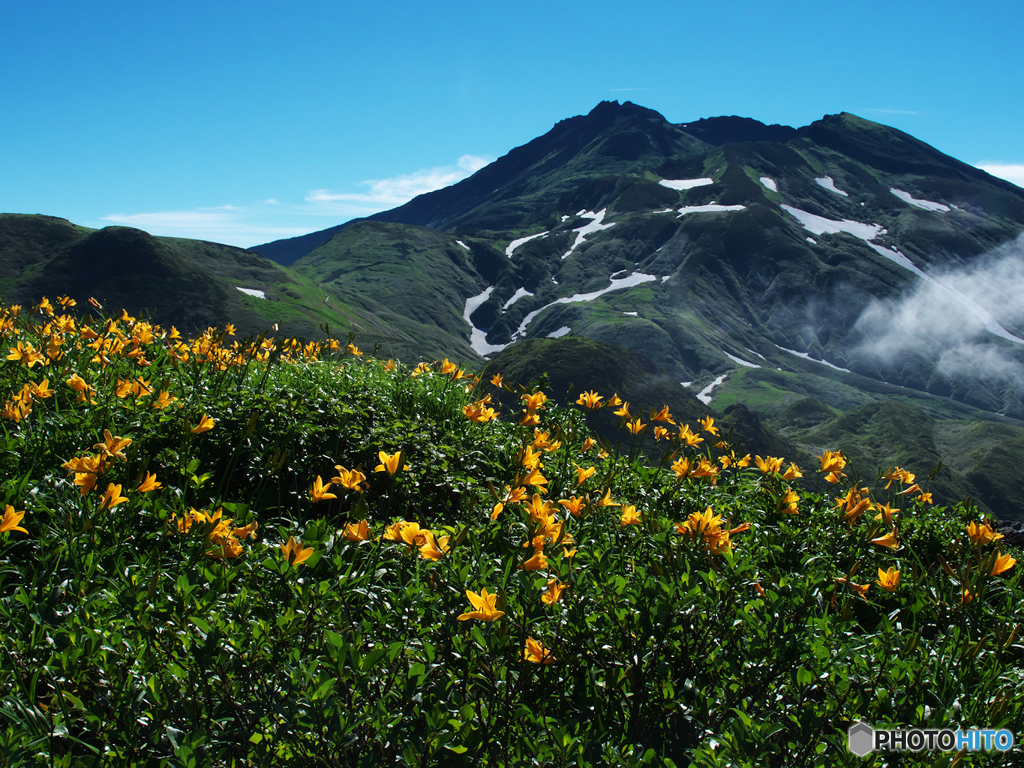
pixel 224 552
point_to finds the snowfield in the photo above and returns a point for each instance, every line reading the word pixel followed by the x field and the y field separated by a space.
pixel 740 361
pixel 516 243
pixel 705 394
pixel 520 293
pixel 709 208
pixel 769 183
pixel 616 285
pixel 926 205
pixel 682 184
pixel 252 292
pixel 588 229
pixel 827 183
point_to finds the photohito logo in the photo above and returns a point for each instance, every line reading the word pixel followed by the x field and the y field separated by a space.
pixel 861 739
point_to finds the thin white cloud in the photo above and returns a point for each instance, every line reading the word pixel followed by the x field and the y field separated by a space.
pixel 403 188
pixel 1014 173
pixel 927 323
pixel 232 227
pixel 270 219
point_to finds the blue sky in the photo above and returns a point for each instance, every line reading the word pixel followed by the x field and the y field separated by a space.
pixel 245 122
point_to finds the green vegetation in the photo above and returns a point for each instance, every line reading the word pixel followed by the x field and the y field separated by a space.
pixel 270 552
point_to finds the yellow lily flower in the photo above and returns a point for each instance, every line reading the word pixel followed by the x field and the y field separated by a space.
pixel 582 473
pixel 889 540
pixel 388 462
pixel 574 504
pixel 590 400
pixel 432 548
pixel 357 531
pixel 484 605
pixel 553 591
pixel 205 425
pixel 889 580
pixel 294 552
pixel 537 653
pixel 319 492
pixel 112 497
pixel 629 515
pixel 11 520
pixel 1002 563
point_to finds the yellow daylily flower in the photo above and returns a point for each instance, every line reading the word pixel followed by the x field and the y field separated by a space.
pixel 889 540
pixel 769 465
pixel 112 497
pixel 352 479
pixel 629 515
pixel 433 548
pixel 319 492
pixel 574 504
pixel 113 445
pixel 590 400
pixel 1003 563
pixel 357 531
pixel 537 653
pixel 205 425
pixel 582 473
pixel 295 553
pixel 553 591
pixel 11 520
pixel 388 462
pixel 889 580
pixel 484 605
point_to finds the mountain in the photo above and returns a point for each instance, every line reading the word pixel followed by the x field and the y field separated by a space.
pixel 837 284
pixel 190 284
pixel 820 270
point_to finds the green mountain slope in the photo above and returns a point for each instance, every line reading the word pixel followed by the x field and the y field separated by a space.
pixel 190 284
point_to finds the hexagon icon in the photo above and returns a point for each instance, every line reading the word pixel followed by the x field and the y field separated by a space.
pixel 860 738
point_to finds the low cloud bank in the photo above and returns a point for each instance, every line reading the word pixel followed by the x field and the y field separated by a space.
pixel 930 321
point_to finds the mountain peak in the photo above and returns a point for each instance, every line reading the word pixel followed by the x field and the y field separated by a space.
pixel 725 130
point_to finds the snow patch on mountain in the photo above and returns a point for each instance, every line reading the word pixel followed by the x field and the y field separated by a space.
pixel 616 285
pixel 516 243
pixel 819 225
pixel 588 229
pixel 805 356
pixel 769 183
pixel 252 292
pixel 827 183
pixel 631 314
pixel 682 184
pixel 705 394
pixel 462 244
pixel 520 293
pixel 926 205
pixel 709 208
pixel 565 329
pixel 740 361
pixel 478 337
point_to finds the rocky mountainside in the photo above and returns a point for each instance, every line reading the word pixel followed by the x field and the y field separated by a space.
pixel 838 285
pixel 825 268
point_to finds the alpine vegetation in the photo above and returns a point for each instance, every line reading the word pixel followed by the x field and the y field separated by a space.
pixel 268 551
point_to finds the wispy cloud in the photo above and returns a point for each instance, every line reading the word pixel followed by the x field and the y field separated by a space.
pixel 397 190
pixel 930 323
pixel 1013 173
pixel 271 219
pixel 229 224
